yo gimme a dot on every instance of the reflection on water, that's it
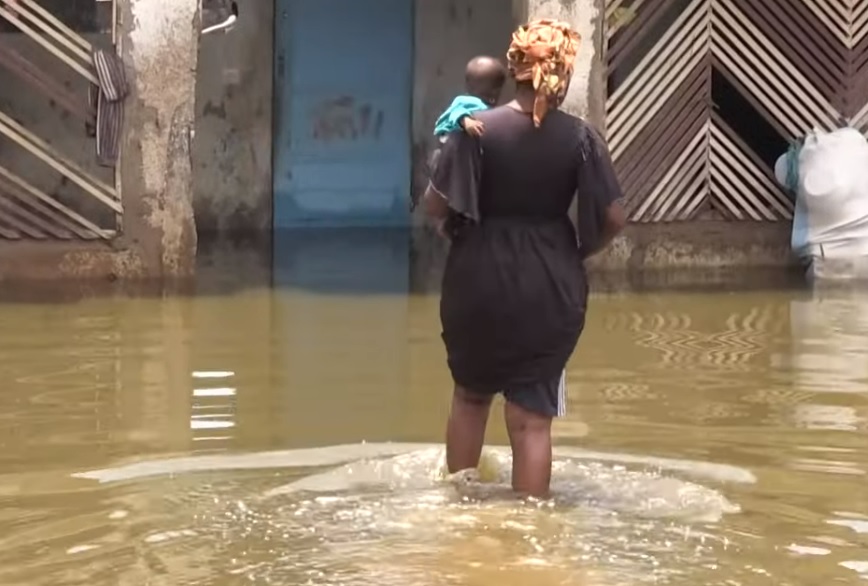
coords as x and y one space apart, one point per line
213 408
712 438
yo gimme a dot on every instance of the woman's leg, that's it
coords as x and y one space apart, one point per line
530 435
465 431
529 412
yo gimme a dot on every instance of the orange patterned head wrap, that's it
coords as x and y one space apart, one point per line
543 53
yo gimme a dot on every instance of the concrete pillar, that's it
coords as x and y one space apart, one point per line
159 44
587 96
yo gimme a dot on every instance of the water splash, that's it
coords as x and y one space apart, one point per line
342 454
576 484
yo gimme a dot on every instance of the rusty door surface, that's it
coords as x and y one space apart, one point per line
344 89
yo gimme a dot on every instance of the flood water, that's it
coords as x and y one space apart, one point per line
288 435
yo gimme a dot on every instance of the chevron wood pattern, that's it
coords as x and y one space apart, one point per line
704 95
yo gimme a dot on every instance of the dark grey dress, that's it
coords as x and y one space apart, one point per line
515 289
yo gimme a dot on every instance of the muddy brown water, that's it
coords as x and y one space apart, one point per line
286 436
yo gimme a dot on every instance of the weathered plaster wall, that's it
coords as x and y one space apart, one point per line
232 145
647 255
586 97
159 42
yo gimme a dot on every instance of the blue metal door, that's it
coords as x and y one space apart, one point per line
342 122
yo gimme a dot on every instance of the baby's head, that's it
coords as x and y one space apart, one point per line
485 77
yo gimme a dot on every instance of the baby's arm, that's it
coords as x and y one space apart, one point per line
453 119
472 126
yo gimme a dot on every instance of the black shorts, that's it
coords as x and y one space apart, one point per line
548 399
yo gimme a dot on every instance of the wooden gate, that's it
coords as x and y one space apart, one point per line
704 95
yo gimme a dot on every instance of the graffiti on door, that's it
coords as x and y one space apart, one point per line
345 118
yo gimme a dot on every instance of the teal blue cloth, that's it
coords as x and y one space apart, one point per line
459 108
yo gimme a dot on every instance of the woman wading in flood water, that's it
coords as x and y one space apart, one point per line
515 289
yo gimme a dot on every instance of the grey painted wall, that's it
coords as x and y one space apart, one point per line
232 144
586 97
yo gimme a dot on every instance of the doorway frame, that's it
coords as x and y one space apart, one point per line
277 115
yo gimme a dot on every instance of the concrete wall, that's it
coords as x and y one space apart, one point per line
587 95
232 146
159 42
